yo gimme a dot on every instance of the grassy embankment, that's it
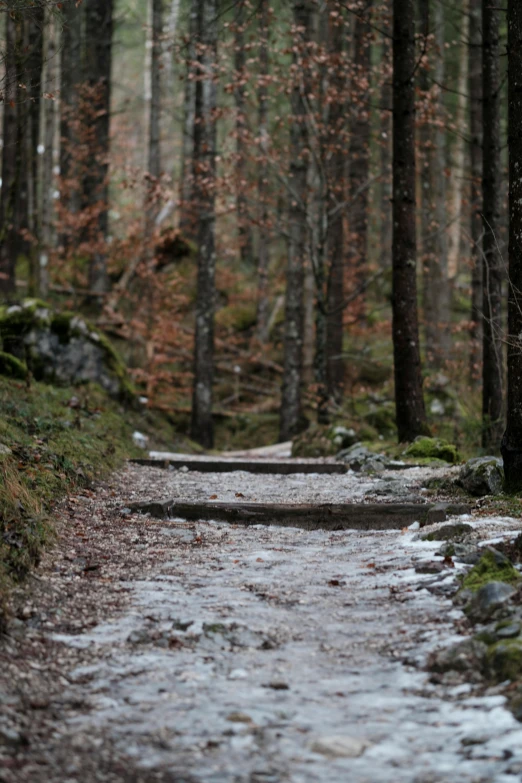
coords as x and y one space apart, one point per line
53 441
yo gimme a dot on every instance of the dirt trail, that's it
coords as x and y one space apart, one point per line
170 651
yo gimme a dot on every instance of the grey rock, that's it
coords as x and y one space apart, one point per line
463 553
342 437
339 746
488 600
449 532
482 476
508 631
469 655
63 349
361 459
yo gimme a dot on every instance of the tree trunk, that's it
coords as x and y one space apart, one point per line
34 61
475 154
246 249
263 250
11 161
205 195
359 154
436 292
95 186
411 415
46 196
457 170
153 102
492 262
335 238
70 81
386 147
154 153
512 440
187 223
23 75
291 412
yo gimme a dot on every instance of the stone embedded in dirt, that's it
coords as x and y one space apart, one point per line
339 746
482 476
463 553
361 459
466 656
449 532
508 631
504 660
488 601
430 568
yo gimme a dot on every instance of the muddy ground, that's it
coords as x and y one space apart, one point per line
145 650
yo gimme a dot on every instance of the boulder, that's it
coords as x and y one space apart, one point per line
466 656
62 348
433 448
449 532
504 660
488 601
482 476
493 566
361 459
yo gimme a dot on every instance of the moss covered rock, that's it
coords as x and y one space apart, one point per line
492 567
62 348
433 448
504 660
482 476
11 367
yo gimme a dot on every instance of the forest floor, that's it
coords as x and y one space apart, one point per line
149 650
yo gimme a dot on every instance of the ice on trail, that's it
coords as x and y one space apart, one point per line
273 654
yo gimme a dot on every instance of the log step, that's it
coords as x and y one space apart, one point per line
326 516
281 467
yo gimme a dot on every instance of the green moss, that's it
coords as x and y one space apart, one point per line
488 570
12 367
60 439
504 659
433 448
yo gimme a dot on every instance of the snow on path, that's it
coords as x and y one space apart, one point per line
148 651
264 655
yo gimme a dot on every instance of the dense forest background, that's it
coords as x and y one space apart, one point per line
214 185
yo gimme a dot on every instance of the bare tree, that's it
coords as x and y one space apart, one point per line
291 410
512 440
409 401
204 162
186 216
359 154
475 156
246 248
263 249
492 262
335 240
95 186
436 291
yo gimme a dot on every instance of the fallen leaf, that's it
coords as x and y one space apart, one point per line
213 497
239 495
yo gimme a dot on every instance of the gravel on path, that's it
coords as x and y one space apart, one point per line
146 650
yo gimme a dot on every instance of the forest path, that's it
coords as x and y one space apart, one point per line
204 652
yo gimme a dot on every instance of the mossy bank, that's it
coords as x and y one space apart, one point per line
54 441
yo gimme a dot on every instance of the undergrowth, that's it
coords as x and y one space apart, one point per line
54 441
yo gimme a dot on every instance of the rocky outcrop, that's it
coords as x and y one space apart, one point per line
482 476
60 348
